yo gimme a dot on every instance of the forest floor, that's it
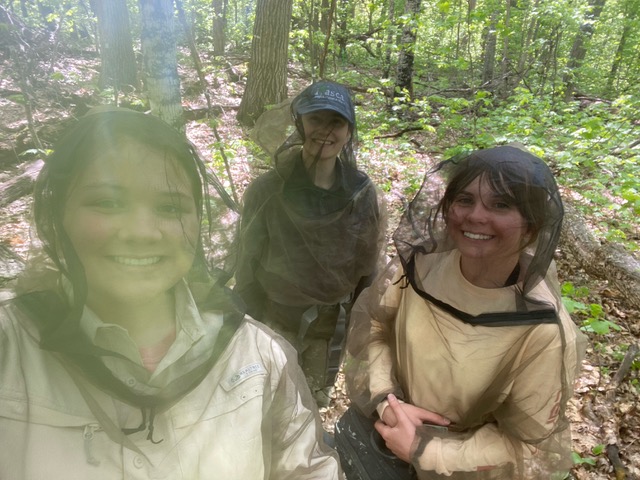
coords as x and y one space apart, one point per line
600 411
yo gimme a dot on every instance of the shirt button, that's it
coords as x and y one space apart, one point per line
138 462
131 382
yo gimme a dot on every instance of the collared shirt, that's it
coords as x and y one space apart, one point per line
190 328
250 417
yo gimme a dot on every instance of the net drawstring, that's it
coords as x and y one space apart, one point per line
145 426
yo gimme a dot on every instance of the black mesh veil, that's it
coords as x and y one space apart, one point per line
512 172
499 362
301 244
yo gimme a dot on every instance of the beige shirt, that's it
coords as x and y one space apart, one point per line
447 366
250 418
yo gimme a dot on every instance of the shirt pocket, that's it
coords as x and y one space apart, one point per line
222 396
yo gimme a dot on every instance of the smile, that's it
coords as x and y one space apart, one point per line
136 262
477 236
323 142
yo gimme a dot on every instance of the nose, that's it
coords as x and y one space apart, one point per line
478 212
140 225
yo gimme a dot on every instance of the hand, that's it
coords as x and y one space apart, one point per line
417 415
398 438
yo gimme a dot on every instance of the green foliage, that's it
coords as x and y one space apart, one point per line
580 460
593 315
591 147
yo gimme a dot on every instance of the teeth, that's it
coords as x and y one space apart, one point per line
137 262
476 236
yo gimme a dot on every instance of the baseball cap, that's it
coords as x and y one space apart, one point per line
325 95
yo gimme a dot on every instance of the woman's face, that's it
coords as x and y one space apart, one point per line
131 217
485 226
325 133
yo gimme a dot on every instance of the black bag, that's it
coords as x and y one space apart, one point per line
363 453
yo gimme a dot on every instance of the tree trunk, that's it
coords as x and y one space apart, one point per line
525 54
160 63
267 72
313 24
328 16
116 45
608 261
504 66
490 43
346 11
579 48
391 31
617 58
404 75
219 27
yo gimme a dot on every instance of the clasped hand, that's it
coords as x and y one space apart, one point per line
398 425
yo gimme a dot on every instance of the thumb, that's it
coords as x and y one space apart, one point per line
397 409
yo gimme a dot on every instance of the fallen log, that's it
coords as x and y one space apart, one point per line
10 264
609 261
19 186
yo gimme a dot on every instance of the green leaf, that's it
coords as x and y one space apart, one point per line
579 460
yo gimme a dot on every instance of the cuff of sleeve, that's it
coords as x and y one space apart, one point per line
431 458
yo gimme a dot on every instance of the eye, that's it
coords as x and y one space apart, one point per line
173 209
107 204
338 122
502 205
314 119
464 199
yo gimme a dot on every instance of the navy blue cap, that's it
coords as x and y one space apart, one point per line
325 95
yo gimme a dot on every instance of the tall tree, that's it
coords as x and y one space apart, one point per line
579 47
160 65
116 45
490 45
347 11
219 26
630 18
391 32
327 18
267 72
504 64
404 74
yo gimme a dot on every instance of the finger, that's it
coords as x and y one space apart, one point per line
431 417
381 427
389 417
397 409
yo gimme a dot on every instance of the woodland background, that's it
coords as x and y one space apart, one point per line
431 78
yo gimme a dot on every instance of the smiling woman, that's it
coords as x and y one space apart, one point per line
462 355
131 217
129 357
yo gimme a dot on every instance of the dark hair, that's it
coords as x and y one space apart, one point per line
98 132
513 180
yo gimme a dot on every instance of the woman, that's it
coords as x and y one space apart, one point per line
122 357
311 231
466 352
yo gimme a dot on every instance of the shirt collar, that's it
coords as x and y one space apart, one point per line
189 326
